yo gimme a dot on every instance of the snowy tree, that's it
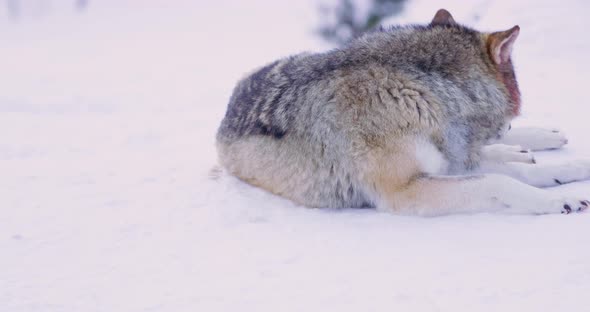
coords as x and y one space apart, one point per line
346 20
12 6
81 4
20 8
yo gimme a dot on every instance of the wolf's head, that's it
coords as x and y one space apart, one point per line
466 66
498 49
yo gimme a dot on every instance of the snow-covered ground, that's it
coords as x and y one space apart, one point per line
107 120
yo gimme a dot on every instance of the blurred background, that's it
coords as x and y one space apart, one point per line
108 112
117 55
113 55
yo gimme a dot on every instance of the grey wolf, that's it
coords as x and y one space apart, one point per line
412 120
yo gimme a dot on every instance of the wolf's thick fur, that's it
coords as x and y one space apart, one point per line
380 121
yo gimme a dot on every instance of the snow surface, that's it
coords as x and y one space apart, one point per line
108 119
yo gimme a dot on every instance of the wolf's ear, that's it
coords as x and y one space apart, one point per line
443 17
500 44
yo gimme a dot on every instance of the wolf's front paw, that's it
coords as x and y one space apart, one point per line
535 139
577 170
553 138
546 139
554 175
507 153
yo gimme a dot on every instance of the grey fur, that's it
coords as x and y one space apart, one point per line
303 127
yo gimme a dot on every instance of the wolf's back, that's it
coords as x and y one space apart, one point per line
268 101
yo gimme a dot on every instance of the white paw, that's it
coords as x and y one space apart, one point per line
577 170
535 139
555 205
507 153
551 175
550 139
550 205
569 205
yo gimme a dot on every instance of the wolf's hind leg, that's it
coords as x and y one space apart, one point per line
535 139
405 178
440 195
540 175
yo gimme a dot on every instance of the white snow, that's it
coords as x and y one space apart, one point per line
106 203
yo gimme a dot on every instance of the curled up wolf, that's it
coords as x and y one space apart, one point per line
412 120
